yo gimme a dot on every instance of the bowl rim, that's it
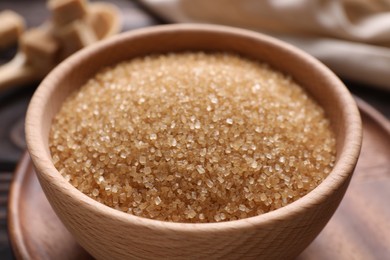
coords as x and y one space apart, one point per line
340 174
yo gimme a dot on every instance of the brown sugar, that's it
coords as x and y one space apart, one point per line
192 137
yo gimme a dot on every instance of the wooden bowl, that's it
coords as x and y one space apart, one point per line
107 233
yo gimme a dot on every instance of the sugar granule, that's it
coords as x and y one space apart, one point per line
192 137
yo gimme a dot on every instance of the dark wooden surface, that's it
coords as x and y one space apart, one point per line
13 102
358 230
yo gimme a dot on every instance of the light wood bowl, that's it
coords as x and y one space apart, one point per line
107 233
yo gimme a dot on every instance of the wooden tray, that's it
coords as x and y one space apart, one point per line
360 228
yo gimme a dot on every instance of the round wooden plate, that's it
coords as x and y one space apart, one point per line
360 228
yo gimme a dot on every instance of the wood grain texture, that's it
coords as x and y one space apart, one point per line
344 237
360 228
35 230
110 234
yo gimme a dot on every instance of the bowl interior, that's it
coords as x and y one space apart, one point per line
319 81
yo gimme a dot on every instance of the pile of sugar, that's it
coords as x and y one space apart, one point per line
192 137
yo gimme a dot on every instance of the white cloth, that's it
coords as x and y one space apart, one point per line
352 37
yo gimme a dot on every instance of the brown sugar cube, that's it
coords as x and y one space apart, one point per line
40 48
11 26
67 11
74 37
99 21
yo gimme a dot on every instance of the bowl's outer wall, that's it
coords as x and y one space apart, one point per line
106 237
111 236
